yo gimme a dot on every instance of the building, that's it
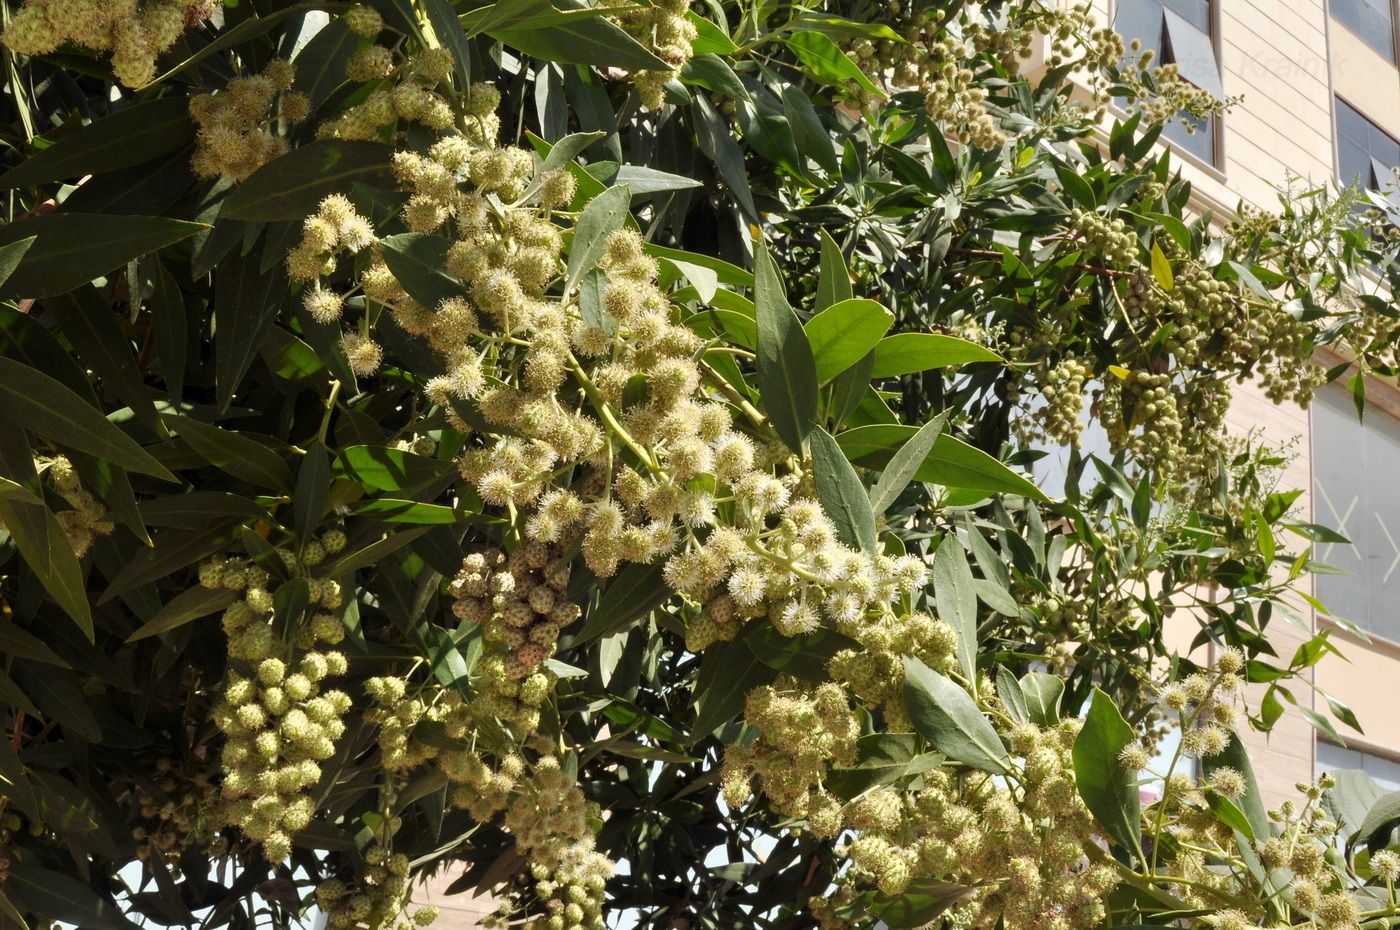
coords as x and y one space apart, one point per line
1320 92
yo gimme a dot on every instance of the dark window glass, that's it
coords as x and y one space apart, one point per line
1366 154
1369 19
1179 32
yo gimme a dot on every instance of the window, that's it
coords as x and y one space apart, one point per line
1373 21
1366 154
1180 32
1333 758
1354 469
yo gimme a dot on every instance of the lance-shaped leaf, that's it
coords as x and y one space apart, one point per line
246 301
841 494
46 550
53 411
908 353
603 216
131 136
70 249
905 464
956 598
787 373
1108 787
946 716
292 186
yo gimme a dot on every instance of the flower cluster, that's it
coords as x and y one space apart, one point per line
234 139
404 88
279 723
87 518
378 899
664 29
176 810
134 32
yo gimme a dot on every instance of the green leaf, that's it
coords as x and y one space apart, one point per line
833 278
882 758
188 605
1012 697
392 510
71 249
246 302
312 490
1162 268
825 61
604 215
233 452
841 493
53 411
375 551
291 186
633 592
1108 788
956 599
1042 693
174 549
57 896
11 255
716 139
787 373
47 552
712 72
419 262
952 463
14 783
580 37
811 137
91 326
946 716
844 333
728 672
1251 803
709 38
1381 819
130 136
905 463
909 353
380 468
918 905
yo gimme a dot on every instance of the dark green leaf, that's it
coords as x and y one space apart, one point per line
1108 788
946 716
957 599
952 463
812 139
787 373
631 594
581 37
882 758
419 262
168 320
292 186
46 550
91 326
728 671
1012 698
71 249
188 605
312 490
380 468
56 413
233 452
841 493
11 255
246 302
131 136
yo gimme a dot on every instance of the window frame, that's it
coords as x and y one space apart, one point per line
1394 5
1215 162
1375 180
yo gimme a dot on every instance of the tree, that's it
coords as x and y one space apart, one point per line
535 440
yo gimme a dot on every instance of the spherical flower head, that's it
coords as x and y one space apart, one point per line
1337 911
482 100
1133 757
323 304
271 671
1230 661
1386 865
363 353
1227 782
364 20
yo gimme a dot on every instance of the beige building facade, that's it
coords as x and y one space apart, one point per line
1320 102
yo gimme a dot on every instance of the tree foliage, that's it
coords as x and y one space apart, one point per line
591 448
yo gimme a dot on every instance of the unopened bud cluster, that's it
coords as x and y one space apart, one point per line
664 29
378 899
